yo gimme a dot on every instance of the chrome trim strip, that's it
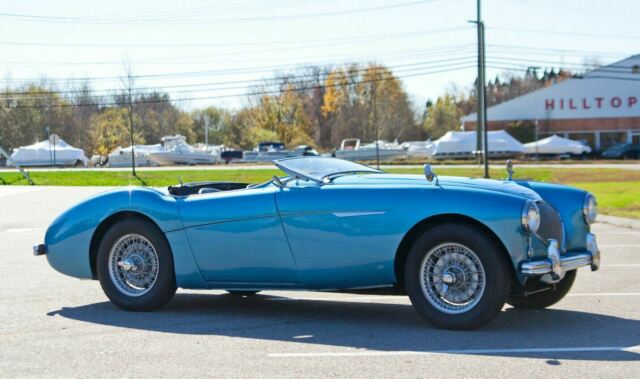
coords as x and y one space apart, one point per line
356 214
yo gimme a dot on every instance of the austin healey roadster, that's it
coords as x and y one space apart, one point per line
460 248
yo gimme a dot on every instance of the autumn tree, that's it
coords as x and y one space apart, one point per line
109 129
442 117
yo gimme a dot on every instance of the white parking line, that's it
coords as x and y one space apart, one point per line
633 349
405 299
618 234
605 294
354 298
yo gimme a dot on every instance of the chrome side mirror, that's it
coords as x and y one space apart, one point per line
429 174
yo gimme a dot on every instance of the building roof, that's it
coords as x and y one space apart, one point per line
611 91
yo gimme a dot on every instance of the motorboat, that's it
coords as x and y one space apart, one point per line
556 146
182 154
462 145
270 151
352 150
52 152
121 157
418 149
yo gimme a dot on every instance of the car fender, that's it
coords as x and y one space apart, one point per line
68 238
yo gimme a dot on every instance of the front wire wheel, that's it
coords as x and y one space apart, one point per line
457 276
135 265
452 278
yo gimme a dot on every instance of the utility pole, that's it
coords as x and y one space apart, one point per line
133 153
48 130
485 125
481 120
206 131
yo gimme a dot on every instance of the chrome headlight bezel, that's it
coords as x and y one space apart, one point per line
590 208
530 218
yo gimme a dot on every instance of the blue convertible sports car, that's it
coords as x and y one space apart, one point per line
460 248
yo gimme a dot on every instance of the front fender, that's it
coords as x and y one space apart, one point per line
568 202
68 238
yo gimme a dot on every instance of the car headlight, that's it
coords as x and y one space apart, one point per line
590 209
530 217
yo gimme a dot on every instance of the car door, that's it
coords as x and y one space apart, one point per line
238 240
340 236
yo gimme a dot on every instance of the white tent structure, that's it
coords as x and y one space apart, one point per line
46 153
463 145
556 145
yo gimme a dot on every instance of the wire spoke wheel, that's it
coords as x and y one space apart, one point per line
133 265
452 278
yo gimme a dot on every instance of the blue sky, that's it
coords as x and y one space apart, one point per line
429 44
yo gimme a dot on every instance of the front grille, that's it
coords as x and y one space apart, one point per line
550 224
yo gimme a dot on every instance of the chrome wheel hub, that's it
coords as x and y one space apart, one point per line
133 265
452 278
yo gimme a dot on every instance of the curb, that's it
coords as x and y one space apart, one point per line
619 221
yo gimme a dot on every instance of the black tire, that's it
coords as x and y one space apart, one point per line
547 298
164 287
242 293
497 276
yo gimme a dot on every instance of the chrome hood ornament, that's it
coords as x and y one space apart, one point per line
509 170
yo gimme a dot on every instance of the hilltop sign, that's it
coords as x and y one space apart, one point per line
586 103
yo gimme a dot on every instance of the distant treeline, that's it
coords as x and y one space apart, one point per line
316 106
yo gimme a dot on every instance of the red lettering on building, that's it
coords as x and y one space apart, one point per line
616 102
549 104
599 102
584 104
561 103
571 105
632 101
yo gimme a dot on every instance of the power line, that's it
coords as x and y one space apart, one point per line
151 21
255 93
559 32
288 77
364 38
227 71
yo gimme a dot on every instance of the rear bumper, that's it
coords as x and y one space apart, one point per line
556 265
39 249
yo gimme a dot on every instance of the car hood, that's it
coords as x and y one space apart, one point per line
502 186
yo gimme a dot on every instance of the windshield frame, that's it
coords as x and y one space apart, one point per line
281 164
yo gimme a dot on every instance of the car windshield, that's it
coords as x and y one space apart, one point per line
318 168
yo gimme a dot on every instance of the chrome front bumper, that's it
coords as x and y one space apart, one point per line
556 265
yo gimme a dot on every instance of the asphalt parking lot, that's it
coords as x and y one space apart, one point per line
53 325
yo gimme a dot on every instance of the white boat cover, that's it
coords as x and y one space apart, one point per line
42 154
121 156
454 143
557 145
419 149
